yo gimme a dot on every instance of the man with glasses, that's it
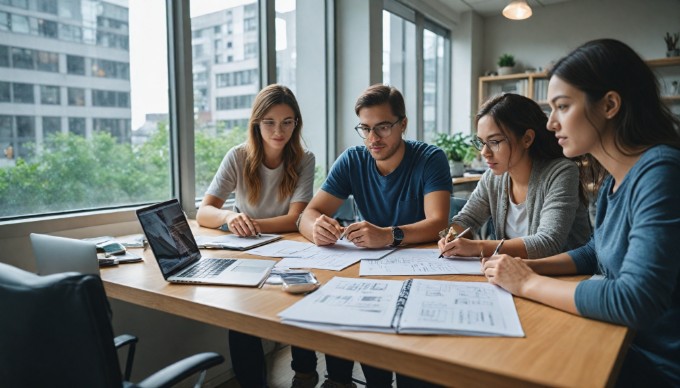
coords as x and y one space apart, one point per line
400 187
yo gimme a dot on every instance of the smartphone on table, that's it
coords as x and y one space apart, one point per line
111 248
299 282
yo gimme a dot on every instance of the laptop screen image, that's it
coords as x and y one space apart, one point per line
169 236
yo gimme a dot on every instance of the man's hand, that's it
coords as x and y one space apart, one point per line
364 234
326 230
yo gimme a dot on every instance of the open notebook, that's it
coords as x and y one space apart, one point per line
414 306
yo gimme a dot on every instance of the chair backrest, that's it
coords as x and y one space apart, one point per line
457 205
55 331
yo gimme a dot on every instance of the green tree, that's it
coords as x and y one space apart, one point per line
209 152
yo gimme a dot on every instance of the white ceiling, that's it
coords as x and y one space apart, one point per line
487 8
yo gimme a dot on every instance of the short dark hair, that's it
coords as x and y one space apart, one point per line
379 94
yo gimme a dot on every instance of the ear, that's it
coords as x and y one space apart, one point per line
528 138
404 122
612 104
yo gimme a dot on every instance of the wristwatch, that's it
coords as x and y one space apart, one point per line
397 236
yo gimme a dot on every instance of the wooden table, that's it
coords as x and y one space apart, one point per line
559 349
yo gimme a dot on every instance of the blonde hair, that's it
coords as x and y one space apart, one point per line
292 153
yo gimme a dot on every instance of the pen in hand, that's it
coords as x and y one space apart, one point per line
452 233
344 232
498 248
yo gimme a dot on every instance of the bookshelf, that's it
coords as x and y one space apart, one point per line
667 71
535 85
532 85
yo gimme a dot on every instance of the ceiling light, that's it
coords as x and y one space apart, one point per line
517 10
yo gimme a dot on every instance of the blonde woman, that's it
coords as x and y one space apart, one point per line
272 176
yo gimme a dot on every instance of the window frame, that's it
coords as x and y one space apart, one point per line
181 143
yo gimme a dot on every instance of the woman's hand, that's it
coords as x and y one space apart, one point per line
460 247
511 273
242 225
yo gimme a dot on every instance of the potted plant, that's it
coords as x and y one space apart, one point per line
672 44
506 63
458 150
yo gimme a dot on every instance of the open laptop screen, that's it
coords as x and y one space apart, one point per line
169 235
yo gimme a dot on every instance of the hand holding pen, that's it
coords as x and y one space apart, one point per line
498 247
452 233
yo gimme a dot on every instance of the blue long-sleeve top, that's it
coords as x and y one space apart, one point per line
636 246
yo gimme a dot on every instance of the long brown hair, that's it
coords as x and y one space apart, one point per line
292 153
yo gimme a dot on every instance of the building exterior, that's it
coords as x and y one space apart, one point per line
64 67
225 55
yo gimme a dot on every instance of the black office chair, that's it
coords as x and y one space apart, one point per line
56 331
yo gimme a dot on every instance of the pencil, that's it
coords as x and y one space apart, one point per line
344 232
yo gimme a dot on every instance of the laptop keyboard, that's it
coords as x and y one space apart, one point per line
207 268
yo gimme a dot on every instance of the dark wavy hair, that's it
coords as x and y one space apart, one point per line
515 114
603 65
292 152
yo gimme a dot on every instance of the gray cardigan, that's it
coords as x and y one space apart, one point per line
558 220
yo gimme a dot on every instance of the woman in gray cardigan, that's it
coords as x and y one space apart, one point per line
531 192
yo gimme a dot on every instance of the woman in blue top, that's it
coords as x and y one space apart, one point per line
605 103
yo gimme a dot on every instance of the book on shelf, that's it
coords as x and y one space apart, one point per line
414 306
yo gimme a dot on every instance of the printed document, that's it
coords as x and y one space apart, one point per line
415 261
232 241
330 263
415 306
341 249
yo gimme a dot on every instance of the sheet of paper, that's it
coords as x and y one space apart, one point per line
330 263
341 249
281 248
233 241
348 303
414 261
460 308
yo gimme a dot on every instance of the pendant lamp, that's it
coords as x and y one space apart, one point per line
517 10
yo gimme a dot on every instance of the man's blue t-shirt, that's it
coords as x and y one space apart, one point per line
395 199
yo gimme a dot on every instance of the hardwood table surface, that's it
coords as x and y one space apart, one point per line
559 349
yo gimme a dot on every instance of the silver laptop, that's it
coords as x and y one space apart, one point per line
59 254
170 238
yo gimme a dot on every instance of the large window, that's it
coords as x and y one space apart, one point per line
399 63
412 42
113 88
435 80
226 84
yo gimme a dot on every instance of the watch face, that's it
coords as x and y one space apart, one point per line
397 233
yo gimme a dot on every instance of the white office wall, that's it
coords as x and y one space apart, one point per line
466 55
555 30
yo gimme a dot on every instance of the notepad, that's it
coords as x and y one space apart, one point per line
414 306
232 241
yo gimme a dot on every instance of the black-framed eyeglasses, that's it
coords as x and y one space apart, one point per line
381 130
494 145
